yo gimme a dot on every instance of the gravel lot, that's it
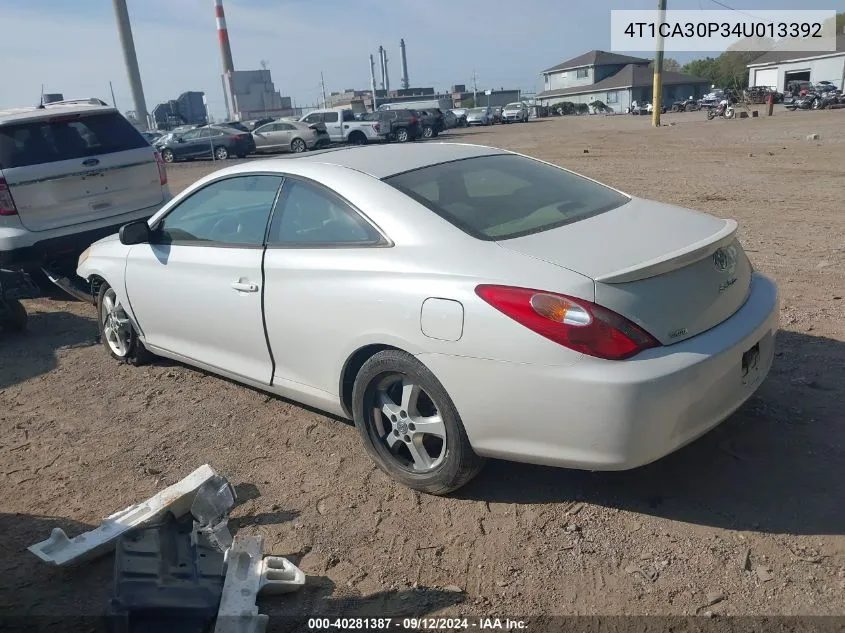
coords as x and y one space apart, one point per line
748 520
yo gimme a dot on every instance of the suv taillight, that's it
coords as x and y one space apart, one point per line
579 325
7 204
162 170
376 127
413 120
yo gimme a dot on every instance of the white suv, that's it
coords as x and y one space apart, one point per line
70 174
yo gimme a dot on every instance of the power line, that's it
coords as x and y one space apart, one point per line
723 5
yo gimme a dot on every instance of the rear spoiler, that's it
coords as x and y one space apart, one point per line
677 259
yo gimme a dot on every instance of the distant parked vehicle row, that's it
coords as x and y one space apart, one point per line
205 142
516 112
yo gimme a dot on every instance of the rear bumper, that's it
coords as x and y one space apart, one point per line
613 415
24 248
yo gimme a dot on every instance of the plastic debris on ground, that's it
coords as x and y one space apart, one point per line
177 567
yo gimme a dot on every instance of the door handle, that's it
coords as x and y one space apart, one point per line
244 286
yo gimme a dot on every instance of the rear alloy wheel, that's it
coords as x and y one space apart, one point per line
428 132
117 333
410 426
402 135
297 146
167 156
221 153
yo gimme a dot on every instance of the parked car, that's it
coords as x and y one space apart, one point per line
461 116
69 175
286 136
496 114
396 125
254 124
343 127
632 326
151 137
432 122
449 120
479 116
234 125
206 142
515 112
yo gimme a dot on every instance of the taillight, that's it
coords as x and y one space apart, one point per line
162 169
413 120
580 325
376 127
237 137
7 204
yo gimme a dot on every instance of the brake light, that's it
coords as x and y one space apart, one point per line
7 204
376 127
413 120
237 137
162 169
580 325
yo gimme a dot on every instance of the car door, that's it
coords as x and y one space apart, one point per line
265 137
314 242
181 143
333 126
284 135
196 289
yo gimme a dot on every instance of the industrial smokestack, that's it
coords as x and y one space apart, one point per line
124 30
405 83
223 36
373 80
386 73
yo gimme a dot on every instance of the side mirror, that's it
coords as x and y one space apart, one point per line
137 232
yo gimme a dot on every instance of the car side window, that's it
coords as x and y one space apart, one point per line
284 127
232 211
190 136
348 115
312 118
309 215
330 117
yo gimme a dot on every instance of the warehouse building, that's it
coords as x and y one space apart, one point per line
776 69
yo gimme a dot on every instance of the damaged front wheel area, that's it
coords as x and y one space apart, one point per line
117 333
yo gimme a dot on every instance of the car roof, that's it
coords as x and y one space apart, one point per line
34 113
383 161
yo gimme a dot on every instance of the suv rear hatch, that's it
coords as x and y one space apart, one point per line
674 272
69 168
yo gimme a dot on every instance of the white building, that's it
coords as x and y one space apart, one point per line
775 69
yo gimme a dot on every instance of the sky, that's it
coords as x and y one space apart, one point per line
72 46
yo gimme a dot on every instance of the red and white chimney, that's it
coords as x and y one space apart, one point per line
223 36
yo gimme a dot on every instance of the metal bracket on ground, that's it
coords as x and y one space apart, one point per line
177 499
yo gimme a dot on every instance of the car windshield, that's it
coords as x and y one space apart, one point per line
513 106
506 196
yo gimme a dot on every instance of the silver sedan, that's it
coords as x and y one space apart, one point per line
456 301
285 136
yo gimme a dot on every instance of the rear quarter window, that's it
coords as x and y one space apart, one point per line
66 137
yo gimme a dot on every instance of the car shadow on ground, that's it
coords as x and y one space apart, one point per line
38 596
25 355
772 467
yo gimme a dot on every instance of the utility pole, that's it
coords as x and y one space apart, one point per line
124 29
474 89
323 87
657 88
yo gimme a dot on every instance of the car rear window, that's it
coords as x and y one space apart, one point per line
66 137
506 196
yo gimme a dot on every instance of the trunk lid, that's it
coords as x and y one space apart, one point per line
66 169
674 272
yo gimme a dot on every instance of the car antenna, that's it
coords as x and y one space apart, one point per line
41 100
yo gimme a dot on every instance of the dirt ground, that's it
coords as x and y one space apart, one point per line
748 520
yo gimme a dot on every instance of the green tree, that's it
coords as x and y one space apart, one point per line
669 65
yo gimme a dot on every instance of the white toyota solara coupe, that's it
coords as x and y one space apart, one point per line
456 301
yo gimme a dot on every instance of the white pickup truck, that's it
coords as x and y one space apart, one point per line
343 127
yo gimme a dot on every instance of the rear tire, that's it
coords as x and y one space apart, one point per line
297 146
15 318
402 135
117 334
428 132
168 156
357 138
221 153
400 448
